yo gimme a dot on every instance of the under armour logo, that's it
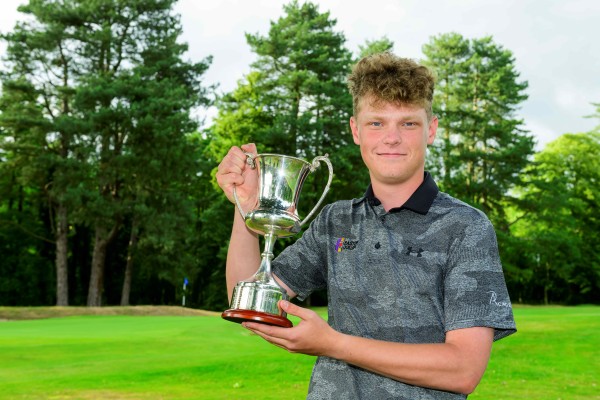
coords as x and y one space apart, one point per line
417 252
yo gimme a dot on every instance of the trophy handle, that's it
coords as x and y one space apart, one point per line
314 165
252 164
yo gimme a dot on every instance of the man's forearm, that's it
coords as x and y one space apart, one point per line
454 366
243 254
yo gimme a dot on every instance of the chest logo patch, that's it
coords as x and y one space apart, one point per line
345 244
414 252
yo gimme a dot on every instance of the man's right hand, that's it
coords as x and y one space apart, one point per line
234 171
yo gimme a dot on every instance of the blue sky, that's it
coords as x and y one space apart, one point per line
555 43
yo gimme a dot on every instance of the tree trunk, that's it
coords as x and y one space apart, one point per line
547 284
62 275
133 240
96 287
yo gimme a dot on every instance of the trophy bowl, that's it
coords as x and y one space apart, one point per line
280 180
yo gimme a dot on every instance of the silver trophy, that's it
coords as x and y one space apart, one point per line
280 180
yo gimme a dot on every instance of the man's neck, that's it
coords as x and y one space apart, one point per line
396 194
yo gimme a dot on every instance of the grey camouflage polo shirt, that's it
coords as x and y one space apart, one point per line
408 275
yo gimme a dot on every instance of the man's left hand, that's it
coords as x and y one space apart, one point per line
312 335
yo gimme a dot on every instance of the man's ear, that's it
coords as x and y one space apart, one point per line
354 129
433 125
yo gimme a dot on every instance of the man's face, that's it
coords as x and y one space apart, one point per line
393 140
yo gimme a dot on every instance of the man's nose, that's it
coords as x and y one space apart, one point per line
393 136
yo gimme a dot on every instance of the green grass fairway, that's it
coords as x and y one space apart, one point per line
553 356
134 357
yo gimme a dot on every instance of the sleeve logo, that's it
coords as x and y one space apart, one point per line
494 300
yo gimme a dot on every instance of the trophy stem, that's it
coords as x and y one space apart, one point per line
263 274
256 299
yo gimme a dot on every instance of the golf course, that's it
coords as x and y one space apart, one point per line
179 353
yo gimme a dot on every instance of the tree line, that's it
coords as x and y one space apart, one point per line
107 188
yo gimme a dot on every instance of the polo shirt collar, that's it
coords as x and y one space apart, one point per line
420 201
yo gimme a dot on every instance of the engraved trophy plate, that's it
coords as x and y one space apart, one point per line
280 180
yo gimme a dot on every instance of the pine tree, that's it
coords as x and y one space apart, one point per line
295 100
481 146
115 97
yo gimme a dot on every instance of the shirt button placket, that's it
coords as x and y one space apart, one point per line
382 219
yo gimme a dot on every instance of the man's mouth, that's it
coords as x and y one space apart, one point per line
391 154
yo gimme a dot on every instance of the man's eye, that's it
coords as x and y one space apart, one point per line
410 124
377 124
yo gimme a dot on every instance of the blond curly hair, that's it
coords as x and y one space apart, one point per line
388 78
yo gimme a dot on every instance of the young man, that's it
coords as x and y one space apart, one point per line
416 292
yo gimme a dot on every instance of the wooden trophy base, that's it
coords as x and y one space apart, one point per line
240 316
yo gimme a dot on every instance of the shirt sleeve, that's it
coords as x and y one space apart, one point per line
302 266
474 285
